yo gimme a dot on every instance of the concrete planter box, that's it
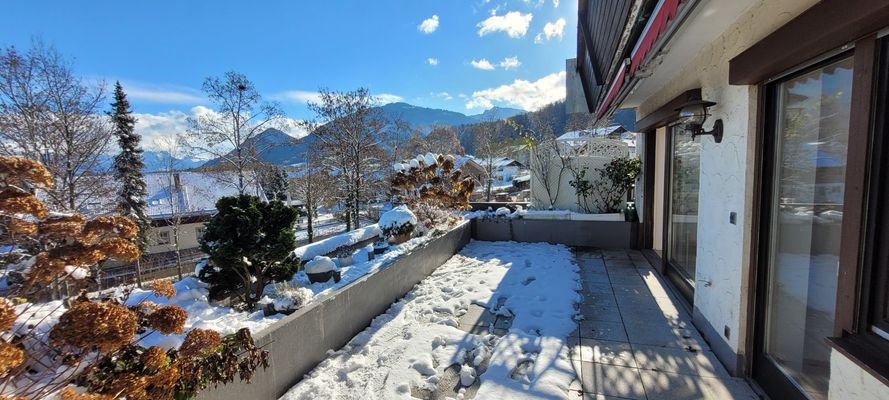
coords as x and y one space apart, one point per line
297 343
576 217
606 234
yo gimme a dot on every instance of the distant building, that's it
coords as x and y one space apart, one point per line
179 205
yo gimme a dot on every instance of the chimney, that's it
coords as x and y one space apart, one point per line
177 183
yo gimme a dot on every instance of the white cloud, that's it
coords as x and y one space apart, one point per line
551 30
158 129
510 63
556 3
513 23
162 94
305 96
432 61
155 128
386 98
521 93
443 95
298 96
429 25
482 64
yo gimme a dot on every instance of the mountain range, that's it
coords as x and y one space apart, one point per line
278 148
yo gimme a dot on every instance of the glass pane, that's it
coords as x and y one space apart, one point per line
810 165
684 188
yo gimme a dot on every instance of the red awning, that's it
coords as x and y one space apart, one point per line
664 13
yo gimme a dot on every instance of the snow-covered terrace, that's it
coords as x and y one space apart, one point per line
507 320
477 319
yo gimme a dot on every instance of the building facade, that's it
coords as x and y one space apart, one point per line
767 216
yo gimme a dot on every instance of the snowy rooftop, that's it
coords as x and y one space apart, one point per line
596 132
198 194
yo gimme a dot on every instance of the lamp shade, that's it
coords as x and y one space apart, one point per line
694 112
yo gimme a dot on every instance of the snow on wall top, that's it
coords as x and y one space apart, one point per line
330 244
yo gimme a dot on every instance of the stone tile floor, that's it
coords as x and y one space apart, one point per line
636 341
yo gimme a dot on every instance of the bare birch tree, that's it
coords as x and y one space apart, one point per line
548 161
351 132
487 150
50 115
172 151
310 185
229 133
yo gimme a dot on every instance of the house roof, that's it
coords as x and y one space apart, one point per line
606 131
198 194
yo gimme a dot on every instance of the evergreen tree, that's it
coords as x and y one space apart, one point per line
128 167
248 242
273 180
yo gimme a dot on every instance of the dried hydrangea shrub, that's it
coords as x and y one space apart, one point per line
7 315
163 288
86 325
11 357
197 341
167 320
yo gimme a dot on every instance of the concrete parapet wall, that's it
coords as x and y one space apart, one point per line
297 343
606 234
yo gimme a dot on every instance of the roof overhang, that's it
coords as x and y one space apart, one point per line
675 34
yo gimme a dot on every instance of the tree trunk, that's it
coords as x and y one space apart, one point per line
178 254
139 272
309 229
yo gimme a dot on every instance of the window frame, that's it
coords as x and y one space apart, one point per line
875 293
863 262
163 237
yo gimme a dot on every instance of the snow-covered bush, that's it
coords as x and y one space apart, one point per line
398 221
319 265
321 269
60 349
286 296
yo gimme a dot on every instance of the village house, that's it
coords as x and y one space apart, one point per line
179 205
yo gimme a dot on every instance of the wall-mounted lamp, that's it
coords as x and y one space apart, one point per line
693 114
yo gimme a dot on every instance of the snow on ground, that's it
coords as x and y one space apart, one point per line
191 295
319 231
361 265
410 347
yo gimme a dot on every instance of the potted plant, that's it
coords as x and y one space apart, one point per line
345 257
381 247
321 269
398 224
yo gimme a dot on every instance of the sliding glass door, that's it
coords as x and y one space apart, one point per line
810 115
682 226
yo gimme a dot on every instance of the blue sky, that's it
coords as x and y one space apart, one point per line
424 52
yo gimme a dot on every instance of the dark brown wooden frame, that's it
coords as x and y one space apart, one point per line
828 25
852 269
862 287
765 372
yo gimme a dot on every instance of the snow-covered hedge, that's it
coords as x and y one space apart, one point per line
320 265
